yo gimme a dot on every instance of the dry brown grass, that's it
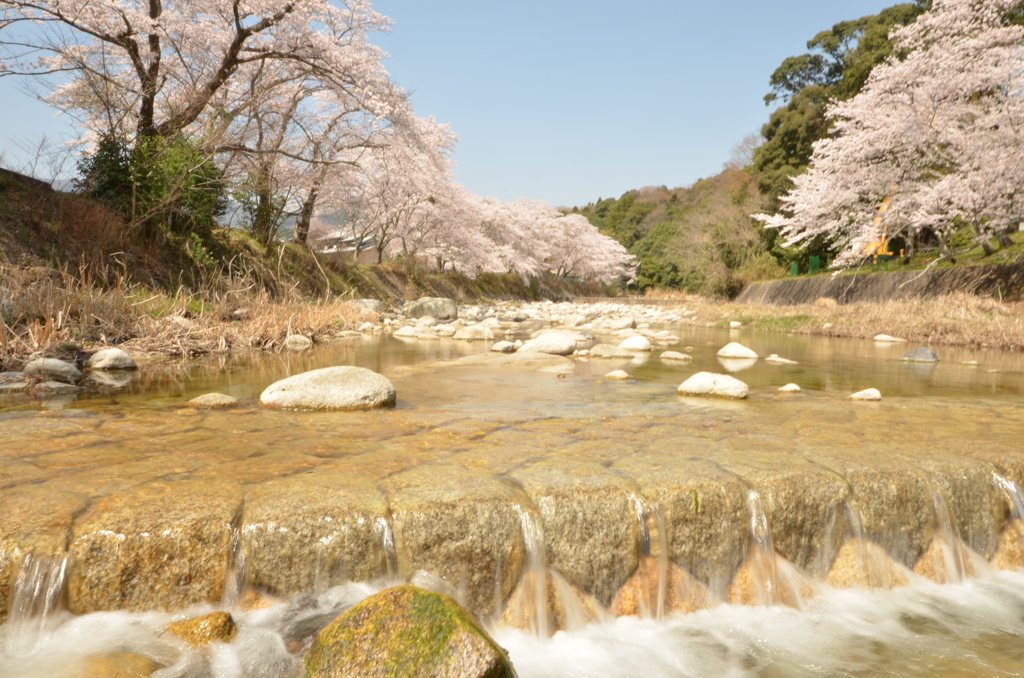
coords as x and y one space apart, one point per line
956 319
49 313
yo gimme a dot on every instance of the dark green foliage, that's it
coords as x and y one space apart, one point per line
837 68
163 187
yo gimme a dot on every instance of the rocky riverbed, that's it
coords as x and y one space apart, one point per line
529 486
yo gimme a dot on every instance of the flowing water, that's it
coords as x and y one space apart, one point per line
599 528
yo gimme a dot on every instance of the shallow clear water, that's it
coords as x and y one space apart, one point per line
500 421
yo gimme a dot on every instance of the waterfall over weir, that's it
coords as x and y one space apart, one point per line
596 528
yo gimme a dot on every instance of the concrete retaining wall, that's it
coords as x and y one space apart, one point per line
1005 281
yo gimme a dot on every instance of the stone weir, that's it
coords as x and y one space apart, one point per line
1005 281
666 530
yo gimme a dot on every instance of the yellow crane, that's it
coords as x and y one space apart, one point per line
880 247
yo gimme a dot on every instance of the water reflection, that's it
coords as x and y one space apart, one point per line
822 364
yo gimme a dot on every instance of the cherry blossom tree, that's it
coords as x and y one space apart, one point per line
160 67
936 134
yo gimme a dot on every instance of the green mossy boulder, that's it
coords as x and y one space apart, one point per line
406 631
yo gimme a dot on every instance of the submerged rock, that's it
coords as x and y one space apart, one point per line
117 665
885 338
609 351
438 307
55 387
422 332
297 343
58 370
406 631
675 356
708 384
199 631
736 350
331 388
111 378
790 388
478 332
212 401
867 394
776 359
617 375
111 359
921 355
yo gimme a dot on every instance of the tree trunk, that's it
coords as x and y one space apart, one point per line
1003 236
945 249
304 219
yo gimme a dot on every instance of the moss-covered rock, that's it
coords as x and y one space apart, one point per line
406 631
198 631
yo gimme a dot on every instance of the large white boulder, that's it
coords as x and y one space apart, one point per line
709 384
331 388
438 307
479 332
111 359
554 343
736 350
636 344
54 369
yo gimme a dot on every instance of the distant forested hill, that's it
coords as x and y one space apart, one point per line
699 239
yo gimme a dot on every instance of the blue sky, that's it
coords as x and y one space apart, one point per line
565 100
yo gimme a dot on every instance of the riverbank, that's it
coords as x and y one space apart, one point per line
950 320
47 314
